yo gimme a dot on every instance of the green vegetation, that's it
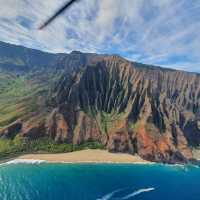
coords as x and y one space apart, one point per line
88 145
134 126
19 145
17 61
13 90
19 96
107 120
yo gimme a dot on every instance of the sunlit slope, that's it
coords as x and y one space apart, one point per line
19 97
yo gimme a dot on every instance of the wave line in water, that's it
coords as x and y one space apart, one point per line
109 195
140 191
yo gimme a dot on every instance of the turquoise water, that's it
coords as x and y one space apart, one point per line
98 181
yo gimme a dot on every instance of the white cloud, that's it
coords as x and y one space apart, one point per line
157 32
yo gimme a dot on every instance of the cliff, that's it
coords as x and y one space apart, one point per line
148 111
126 106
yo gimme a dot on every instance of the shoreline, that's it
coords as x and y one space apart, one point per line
81 157
88 156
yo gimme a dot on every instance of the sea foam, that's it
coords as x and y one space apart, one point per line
135 193
24 161
109 195
140 191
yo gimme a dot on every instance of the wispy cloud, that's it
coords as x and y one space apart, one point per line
157 32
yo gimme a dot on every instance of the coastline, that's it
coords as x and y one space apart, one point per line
83 156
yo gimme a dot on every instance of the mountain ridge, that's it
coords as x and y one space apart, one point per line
79 52
124 106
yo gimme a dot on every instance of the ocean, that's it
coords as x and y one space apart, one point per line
43 181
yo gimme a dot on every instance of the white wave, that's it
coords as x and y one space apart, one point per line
140 191
109 195
25 161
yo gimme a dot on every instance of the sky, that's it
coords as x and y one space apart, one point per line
158 32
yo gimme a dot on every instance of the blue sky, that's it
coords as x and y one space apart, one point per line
159 32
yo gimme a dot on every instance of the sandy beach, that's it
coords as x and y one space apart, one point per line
196 153
86 156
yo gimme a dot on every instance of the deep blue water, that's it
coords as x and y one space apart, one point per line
98 181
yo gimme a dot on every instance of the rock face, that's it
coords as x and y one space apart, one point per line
130 108
126 106
12 130
33 131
